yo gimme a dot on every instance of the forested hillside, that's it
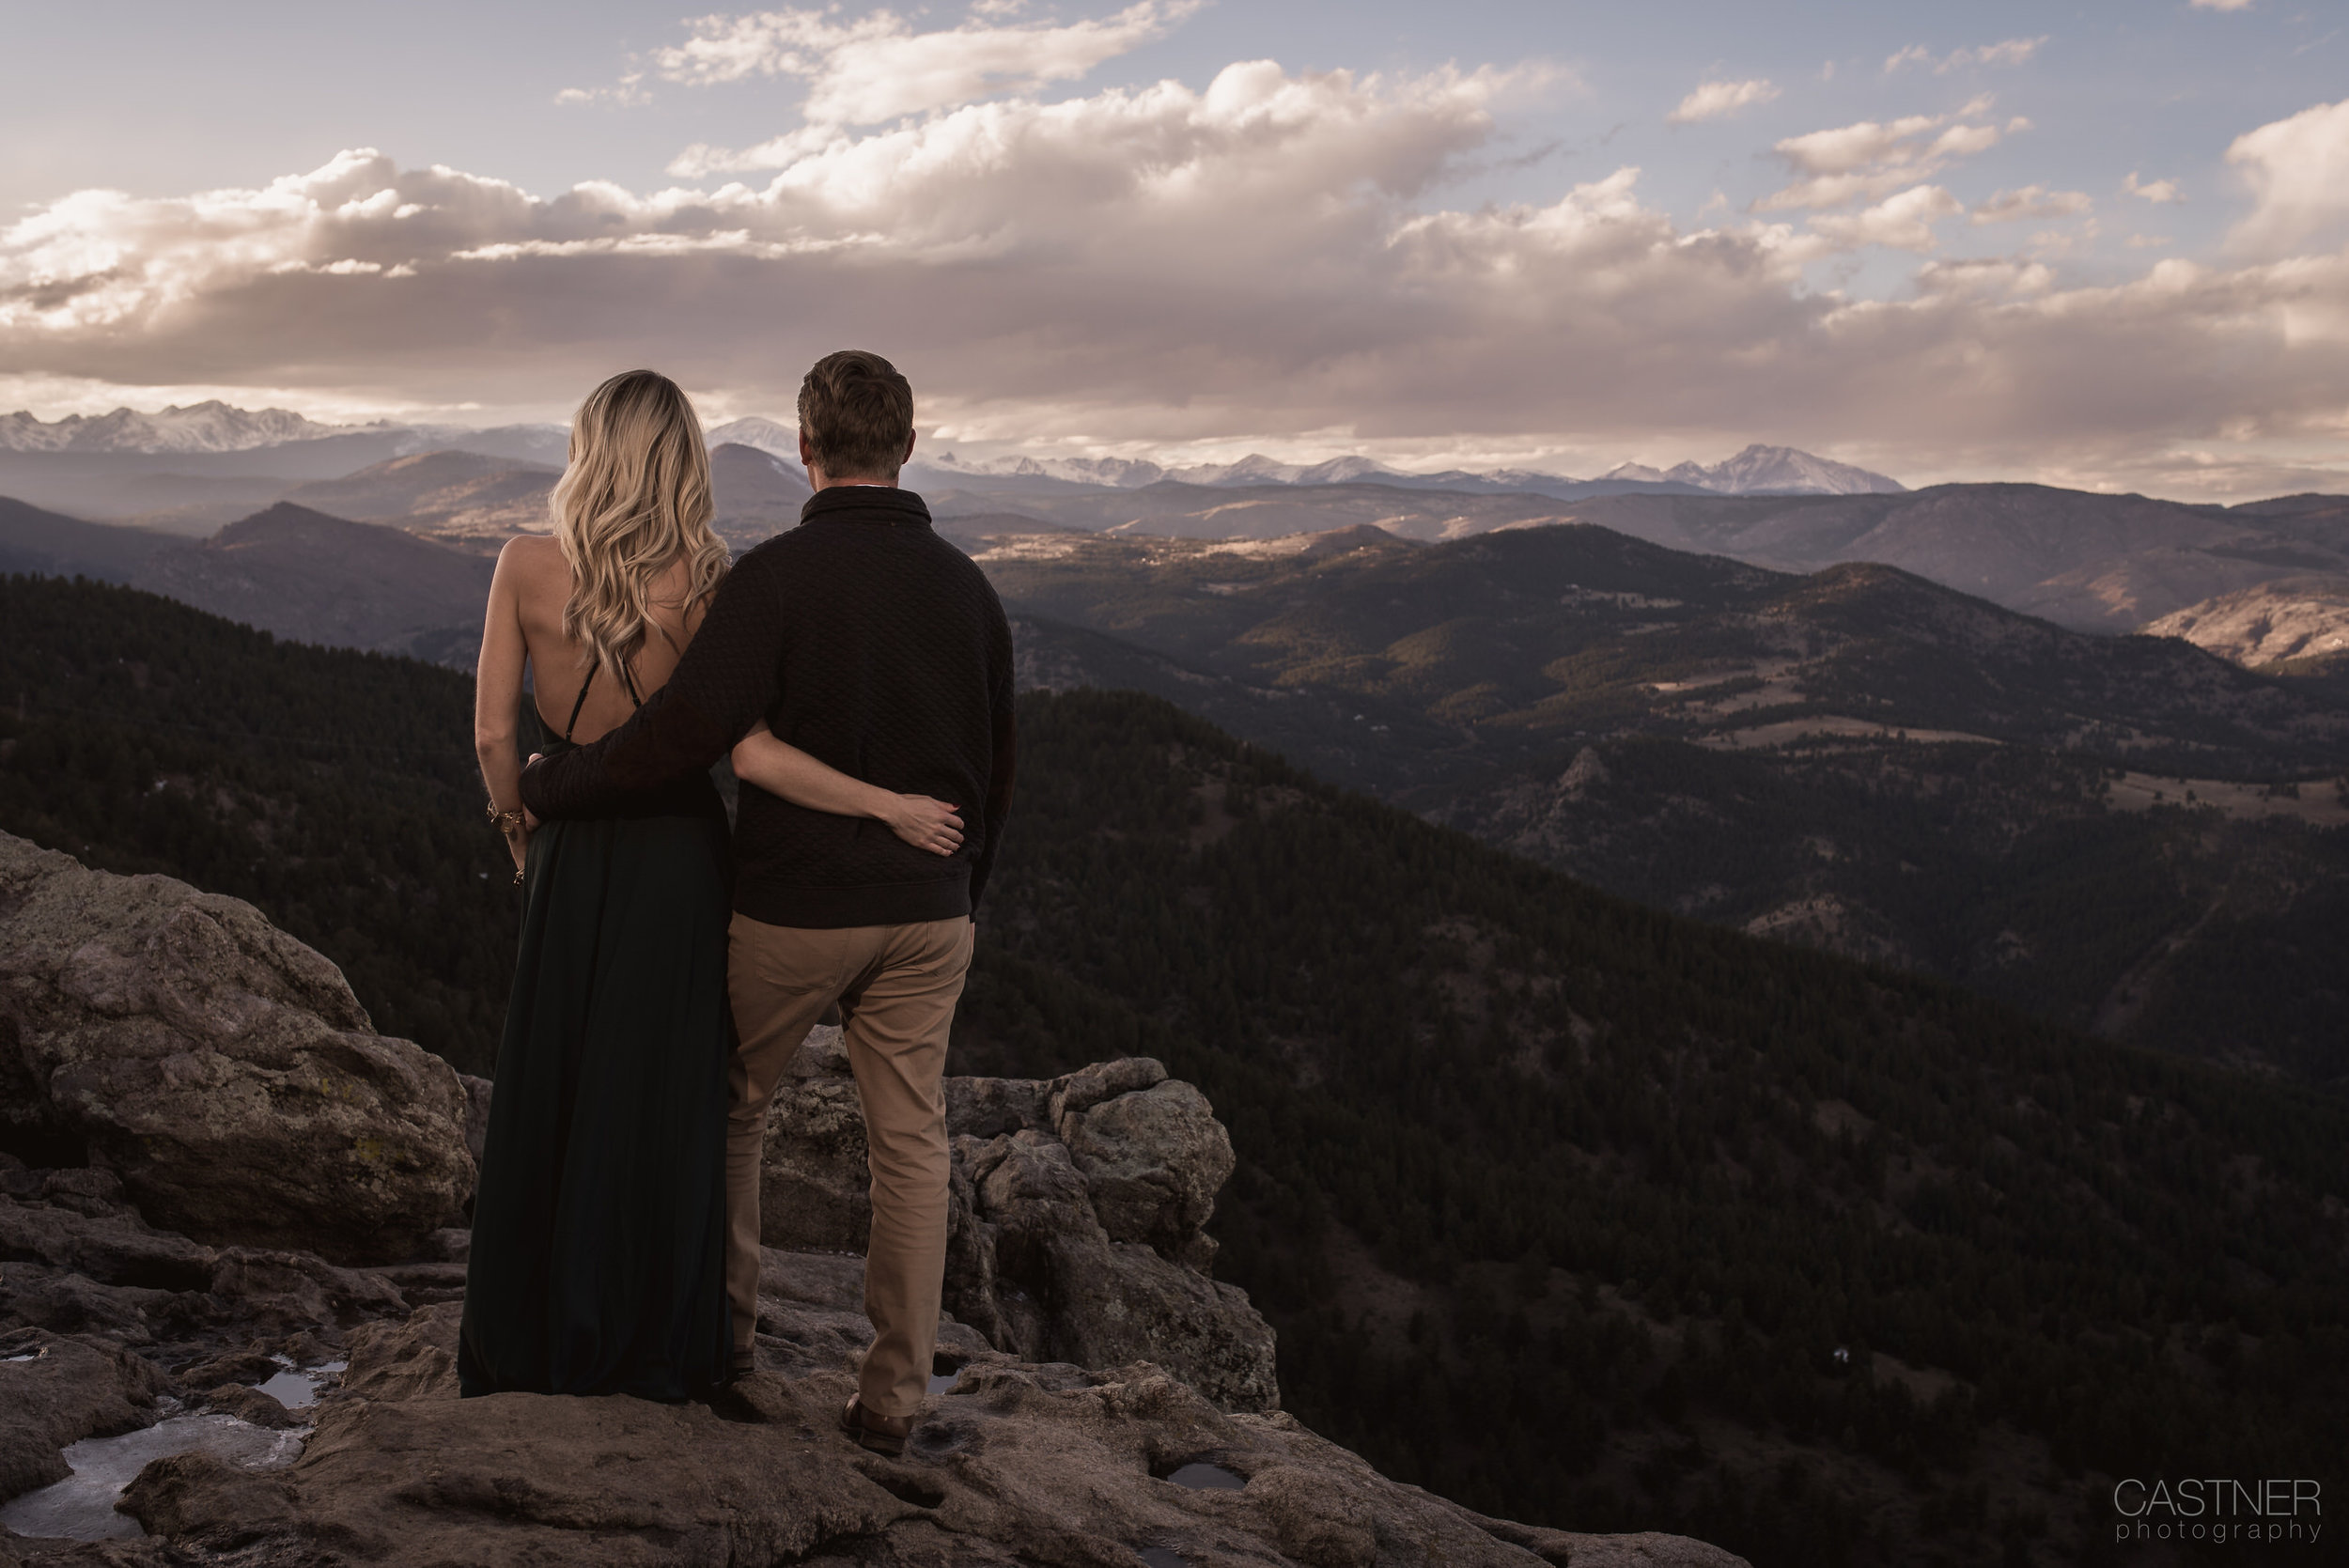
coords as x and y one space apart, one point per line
337 791
2122 835
1569 1209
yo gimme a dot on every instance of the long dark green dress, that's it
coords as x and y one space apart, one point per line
598 1234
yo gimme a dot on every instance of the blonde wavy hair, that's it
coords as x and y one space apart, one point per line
633 500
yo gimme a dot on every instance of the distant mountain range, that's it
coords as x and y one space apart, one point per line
215 427
1757 470
1767 471
2101 563
2094 562
210 427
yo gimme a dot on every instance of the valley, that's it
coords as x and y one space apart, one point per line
1638 1176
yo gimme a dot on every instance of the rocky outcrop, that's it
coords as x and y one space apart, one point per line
1098 1399
220 1068
1077 1227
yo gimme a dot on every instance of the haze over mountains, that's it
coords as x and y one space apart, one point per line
2090 560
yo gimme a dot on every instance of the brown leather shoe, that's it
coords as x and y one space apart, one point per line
884 1434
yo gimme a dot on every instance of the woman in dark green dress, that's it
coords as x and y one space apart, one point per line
597 1260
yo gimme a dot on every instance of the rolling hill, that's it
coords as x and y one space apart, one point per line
2095 563
287 570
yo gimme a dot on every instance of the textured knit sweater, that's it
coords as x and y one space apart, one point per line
868 641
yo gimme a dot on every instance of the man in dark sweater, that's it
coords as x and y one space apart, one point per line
866 640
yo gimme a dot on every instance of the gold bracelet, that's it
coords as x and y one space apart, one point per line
505 821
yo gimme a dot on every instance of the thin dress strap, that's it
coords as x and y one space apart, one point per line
580 703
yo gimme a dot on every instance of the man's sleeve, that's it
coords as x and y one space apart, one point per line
1004 753
724 683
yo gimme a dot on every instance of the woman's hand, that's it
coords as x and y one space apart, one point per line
924 823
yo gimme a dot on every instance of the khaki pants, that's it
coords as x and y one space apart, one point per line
896 987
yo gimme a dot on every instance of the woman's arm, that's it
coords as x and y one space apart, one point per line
786 771
497 697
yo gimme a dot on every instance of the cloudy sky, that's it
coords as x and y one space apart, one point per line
2102 244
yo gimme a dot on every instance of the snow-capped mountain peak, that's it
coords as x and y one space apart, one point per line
1763 470
208 426
767 435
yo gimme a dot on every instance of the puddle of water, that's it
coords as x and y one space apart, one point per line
297 1386
1208 1478
1163 1557
82 1506
946 1384
32 1355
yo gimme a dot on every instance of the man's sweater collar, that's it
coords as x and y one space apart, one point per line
874 504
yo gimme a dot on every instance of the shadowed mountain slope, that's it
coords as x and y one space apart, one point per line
2126 835
757 493
286 570
52 545
1529 636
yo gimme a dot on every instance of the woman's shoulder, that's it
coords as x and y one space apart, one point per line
534 560
535 551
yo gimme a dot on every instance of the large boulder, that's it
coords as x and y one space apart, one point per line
222 1070
1078 1214
1154 1157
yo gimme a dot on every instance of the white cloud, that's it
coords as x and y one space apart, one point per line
2299 170
2012 52
1871 158
2220 5
628 92
2031 202
1903 222
876 68
1712 100
1266 259
2159 191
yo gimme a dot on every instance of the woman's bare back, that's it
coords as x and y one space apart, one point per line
542 582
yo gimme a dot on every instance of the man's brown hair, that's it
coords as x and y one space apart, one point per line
857 414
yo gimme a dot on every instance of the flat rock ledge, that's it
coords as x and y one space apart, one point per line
1016 1463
